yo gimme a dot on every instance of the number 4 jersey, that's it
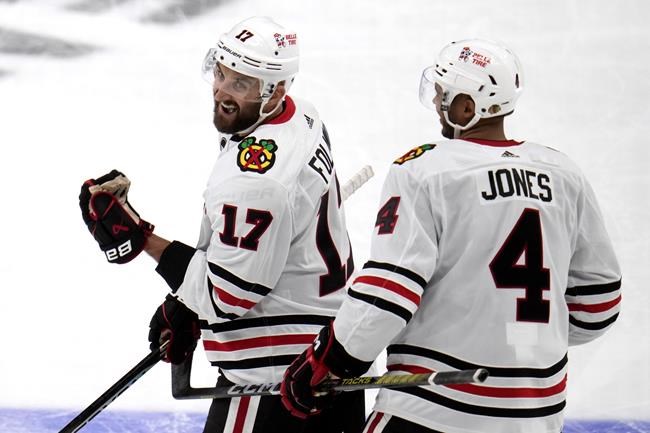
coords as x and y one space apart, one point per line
273 257
485 254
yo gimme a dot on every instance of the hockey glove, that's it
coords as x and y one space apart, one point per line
175 322
325 358
114 224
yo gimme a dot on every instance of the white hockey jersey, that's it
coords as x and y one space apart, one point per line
485 254
273 257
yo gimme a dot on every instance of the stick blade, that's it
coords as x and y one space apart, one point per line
478 375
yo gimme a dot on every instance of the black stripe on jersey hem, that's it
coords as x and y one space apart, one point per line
259 322
266 361
593 326
405 349
398 270
382 304
594 289
235 280
173 263
403 425
218 311
472 409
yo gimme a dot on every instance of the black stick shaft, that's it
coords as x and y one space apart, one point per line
114 391
181 388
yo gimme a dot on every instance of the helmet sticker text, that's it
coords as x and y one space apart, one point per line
284 41
476 58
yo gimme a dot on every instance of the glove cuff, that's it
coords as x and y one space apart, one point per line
147 227
330 352
174 262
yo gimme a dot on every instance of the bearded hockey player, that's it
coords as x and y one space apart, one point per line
487 253
273 257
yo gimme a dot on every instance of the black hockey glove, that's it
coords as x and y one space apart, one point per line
175 322
325 358
111 220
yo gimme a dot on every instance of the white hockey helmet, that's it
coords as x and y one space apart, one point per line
260 48
487 71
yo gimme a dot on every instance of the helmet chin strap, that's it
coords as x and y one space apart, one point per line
262 117
459 128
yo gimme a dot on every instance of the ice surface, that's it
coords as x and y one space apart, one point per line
89 85
110 421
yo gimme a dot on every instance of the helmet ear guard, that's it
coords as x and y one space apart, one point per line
487 71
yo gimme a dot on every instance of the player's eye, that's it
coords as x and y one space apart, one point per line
241 86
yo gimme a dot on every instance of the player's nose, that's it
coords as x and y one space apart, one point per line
220 95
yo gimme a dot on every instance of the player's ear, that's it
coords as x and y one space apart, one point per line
276 98
469 108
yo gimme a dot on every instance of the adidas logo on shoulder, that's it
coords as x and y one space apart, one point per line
508 154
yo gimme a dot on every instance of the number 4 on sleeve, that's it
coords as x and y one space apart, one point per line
387 216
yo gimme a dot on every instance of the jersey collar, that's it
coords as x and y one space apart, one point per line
493 143
288 111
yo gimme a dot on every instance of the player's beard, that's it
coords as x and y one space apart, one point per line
447 131
241 119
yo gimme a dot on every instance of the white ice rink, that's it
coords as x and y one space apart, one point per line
91 85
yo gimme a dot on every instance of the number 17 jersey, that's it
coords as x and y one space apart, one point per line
273 258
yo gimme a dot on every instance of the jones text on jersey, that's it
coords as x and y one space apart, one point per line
517 182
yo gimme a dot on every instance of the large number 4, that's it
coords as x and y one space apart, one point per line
525 241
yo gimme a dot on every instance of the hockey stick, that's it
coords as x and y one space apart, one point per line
356 181
182 390
115 390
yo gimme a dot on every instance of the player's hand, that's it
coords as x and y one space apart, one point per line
305 373
175 322
325 358
115 225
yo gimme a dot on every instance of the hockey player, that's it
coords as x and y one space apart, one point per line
273 257
487 252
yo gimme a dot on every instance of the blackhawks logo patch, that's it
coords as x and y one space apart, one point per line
257 157
413 153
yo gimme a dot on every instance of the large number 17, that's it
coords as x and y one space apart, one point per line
525 240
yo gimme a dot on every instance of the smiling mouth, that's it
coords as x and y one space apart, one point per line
227 107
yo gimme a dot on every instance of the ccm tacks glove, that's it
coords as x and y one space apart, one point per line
325 358
175 322
114 224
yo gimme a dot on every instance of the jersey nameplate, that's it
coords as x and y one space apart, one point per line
515 183
322 162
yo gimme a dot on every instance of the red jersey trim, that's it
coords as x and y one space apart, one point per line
287 113
493 143
375 422
249 343
595 308
229 299
490 391
389 285
240 418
